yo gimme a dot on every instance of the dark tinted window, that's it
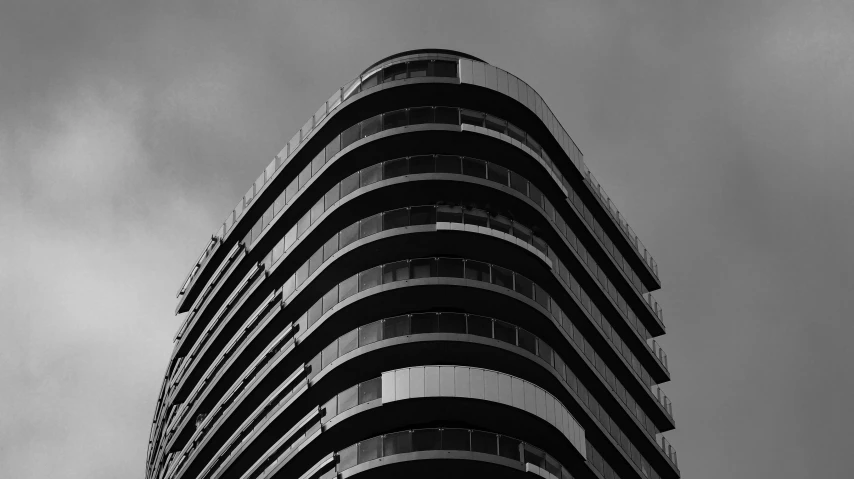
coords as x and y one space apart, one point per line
508 447
474 167
505 332
423 268
451 214
455 440
447 115
452 323
421 115
475 217
480 326
422 215
524 285
527 341
394 72
484 442
397 271
424 323
393 168
418 69
394 119
448 164
500 223
502 277
450 267
422 164
396 218
471 117
426 440
477 271
371 126
497 173
394 327
443 69
496 124
518 183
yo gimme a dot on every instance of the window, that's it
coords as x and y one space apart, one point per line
418 68
397 443
524 285
371 126
394 72
527 341
484 442
497 173
397 271
370 278
505 332
447 115
422 164
480 326
394 119
450 214
475 217
423 268
500 223
370 225
502 277
396 326
518 183
455 440
421 115
371 175
508 447
426 440
422 323
440 68
471 117
474 167
515 133
450 268
396 218
394 168
535 195
350 135
422 215
448 164
452 323
477 271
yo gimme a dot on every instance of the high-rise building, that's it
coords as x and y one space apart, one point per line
426 280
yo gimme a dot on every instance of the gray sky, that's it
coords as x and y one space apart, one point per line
724 130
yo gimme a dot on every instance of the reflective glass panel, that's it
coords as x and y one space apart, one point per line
475 217
423 268
349 184
524 285
421 115
422 215
422 164
332 197
397 443
304 176
500 223
370 278
484 442
370 449
522 232
455 440
450 267
527 341
496 124
477 271
349 234
442 68
396 218
426 440
394 72
534 455
370 225
508 447
448 164
505 332
422 323
333 147
370 333
544 351
518 183
394 119
497 173
480 326
347 457
350 135
330 248
292 189
418 68
370 175
396 326
371 126
450 214
452 323
502 277
516 133
348 287
394 168
315 311
397 271
535 195
370 390
317 163
348 342
471 117
329 354
447 115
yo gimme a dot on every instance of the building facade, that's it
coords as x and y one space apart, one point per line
425 280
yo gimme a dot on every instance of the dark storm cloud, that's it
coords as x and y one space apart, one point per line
721 129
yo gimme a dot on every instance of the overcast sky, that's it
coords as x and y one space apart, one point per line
723 130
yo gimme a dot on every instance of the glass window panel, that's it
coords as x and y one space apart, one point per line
371 126
349 234
497 173
449 214
418 68
533 145
508 447
540 244
527 341
332 196
535 195
480 326
518 183
315 312
394 119
396 218
471 117
302 274
333 148
448 164
329 354
447 115
422 215
422 164
500 223
421 115
450 268
370 449
397 443
370 225
560 367
426 440
550 211
371 174
522 232
505 332
396 326
394 168
423 268
330 248
349 184
484 442
394 72
350 135
370 390
475 217
502 277
452 323
516 133
534 455
496 124
370 278
541 296
370 333
397 271
348 342
441 68
422 323
347 457
455 440
544 351
371 81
